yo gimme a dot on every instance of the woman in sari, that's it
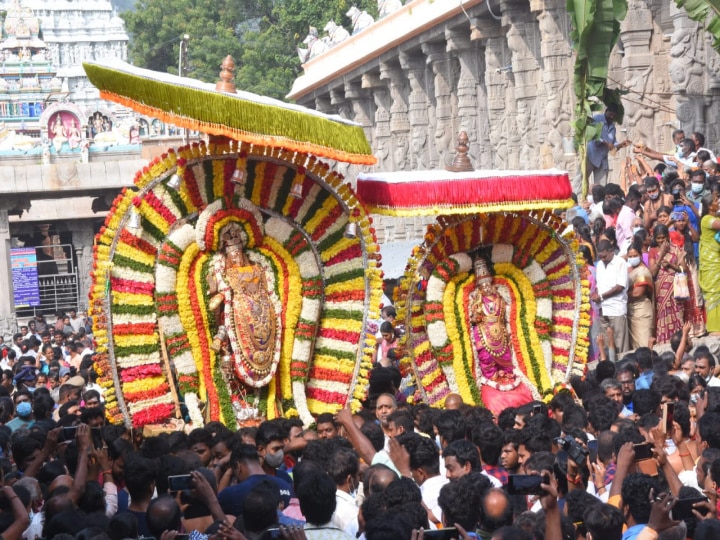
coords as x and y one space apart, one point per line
684 236
641 308
666 260
710 262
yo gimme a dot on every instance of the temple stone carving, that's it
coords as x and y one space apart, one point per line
502 72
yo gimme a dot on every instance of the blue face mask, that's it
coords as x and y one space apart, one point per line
24 409
697 188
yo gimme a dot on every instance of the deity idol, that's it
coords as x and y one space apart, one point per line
249 324
489 333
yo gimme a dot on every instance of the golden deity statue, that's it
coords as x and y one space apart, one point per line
248 325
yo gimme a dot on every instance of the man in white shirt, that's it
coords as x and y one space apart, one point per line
425 470
611 294
343 468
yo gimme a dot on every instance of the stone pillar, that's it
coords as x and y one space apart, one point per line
8 322
471 94
523 40
637 67
686 71
399 123
418 106
82 241
555 129
498 83
381 134
323 105
344 110
362 106
445 71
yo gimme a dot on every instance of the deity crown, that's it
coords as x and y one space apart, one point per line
482 272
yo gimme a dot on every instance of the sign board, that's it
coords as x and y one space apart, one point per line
26 286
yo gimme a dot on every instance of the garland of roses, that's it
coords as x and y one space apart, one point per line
551 351
331 351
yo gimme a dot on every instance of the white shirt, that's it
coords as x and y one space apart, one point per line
608 276
713 381
345 511
430 491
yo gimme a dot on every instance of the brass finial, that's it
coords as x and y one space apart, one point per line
225 84
461 162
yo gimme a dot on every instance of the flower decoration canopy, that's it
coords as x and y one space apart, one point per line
433 193
241 116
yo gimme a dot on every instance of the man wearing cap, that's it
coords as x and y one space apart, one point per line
25 378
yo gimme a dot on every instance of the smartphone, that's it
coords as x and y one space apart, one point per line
668 417
97 439
643 451
683 508
180 482
69 433
526 484
592 447
271 532
182 537
442 534
537 409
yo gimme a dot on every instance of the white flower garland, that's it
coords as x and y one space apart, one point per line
544 308
435 289
202 222
193 407
301 403
310 310
437 333
124 272
464 262
534 272
307 265
134 360
278 229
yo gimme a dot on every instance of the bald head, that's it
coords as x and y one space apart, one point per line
381 479
453 402
496 510
163 514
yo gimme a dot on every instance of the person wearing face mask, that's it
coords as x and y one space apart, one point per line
684 236
641 299
655 200
666 260
270 444
23 413
344 467
697 187
684 157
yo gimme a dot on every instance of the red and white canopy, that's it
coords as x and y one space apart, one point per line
413 193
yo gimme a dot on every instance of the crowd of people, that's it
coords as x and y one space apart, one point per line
653 253
630 451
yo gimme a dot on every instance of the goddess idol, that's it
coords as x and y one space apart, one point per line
249 326
491 342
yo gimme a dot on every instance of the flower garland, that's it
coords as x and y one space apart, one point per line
158 273
528 249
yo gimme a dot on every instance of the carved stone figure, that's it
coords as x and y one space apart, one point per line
418 150
360 19
386 7
336 33
315 46
400 154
